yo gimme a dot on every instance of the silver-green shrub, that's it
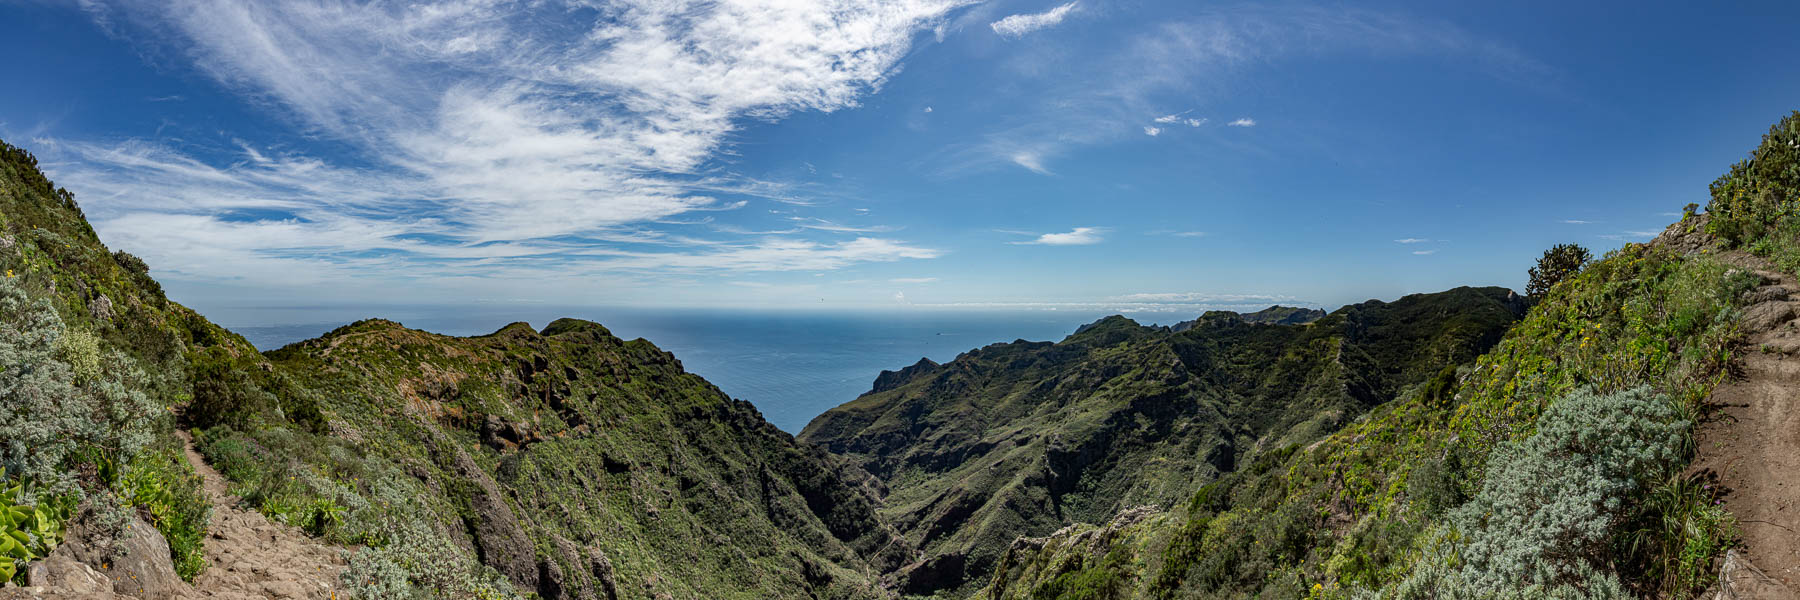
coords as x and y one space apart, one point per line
36 390
1541 524
418 563
49 410
1550 502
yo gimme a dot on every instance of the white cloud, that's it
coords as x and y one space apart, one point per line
1014 26
1576 222
493 134
928 109
1206 298
1189 234
1152 131
1178 119
1631 235
1032 161
1079 236
1243 122
1411 241
912 280
824 225
1425 252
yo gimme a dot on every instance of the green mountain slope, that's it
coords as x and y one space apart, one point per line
1025 438
562 463
1555 466
569 456
93 358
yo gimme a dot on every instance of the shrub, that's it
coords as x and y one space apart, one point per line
1551 503
418 562
130 262
61 396
39 404
1557 264
1680 527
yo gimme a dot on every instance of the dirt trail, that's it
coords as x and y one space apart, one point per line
1753 440
251 557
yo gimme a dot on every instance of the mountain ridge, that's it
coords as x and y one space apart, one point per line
1034 421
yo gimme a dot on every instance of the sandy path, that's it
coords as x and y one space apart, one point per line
251 557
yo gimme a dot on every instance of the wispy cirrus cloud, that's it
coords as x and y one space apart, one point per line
1013 26
1201 297
1101 98
494 138
1411 240
1631 235
1079 236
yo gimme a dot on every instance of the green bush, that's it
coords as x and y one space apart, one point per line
416 562
1681 527
1557 264
1551 503
52 413
235 392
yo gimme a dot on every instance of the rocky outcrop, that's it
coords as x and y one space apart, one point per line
888 380
500 539
137 564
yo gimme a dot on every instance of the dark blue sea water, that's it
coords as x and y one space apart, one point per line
793 365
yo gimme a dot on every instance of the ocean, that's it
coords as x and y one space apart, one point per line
792 365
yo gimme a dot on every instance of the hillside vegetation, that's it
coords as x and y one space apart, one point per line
1552 467
1027 437
562 463
1464 444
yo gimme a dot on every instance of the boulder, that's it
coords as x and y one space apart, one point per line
1740 580
89 563
1766 316
1767 293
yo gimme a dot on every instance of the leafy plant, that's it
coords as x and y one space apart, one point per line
1557 264
163 485
27 532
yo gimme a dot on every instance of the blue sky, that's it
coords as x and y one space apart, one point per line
908 154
